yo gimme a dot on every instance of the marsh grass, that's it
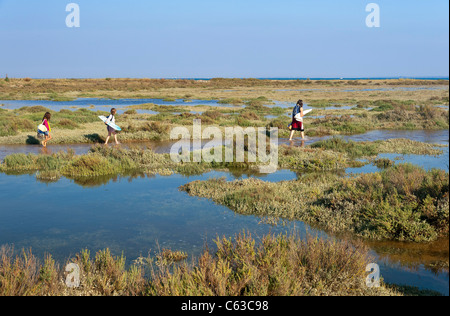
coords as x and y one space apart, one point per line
402 203
12 125
26 119
424 116
33 109
231 101
157 130
387 114
275 265
369 149
331 155
383 163
312 159
353 149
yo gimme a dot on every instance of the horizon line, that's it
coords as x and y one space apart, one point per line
257 78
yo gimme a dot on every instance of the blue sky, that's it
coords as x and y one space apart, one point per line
223 38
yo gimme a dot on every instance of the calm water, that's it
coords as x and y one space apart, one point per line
130 214
103 104
122 105
138 214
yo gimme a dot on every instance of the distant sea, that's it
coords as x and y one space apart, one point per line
362 78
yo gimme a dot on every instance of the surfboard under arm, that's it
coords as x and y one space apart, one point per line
104 119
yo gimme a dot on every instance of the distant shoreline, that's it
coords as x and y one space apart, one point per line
268 78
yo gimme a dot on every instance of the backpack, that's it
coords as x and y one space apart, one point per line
297 114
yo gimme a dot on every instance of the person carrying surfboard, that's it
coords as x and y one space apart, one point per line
111 131
44 129
297 120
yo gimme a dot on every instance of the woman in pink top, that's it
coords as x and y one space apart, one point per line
46 123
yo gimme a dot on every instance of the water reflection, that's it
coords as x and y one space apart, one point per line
124 213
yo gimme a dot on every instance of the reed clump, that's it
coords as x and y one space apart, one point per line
277 266
369 149
403 202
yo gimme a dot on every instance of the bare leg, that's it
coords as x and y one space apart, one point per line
303 135
47 139
107 138
292 135
115 138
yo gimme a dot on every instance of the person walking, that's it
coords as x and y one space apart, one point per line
44 129
111 131
297 120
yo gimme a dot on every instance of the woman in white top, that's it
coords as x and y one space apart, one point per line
297 120
111 131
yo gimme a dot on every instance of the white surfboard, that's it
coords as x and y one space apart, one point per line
299 118
104 119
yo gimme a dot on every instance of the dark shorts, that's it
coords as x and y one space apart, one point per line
297 126
111 130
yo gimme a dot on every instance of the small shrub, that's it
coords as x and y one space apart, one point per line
67 124
252 116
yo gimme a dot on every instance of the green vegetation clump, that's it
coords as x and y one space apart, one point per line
33 109
424 116
257 102
369 149
353 149
249 103
80 116
400 203
312 159
277 266
403 203
96 165
13 125
231 101
156 130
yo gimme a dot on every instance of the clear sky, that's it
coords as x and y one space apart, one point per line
223 38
